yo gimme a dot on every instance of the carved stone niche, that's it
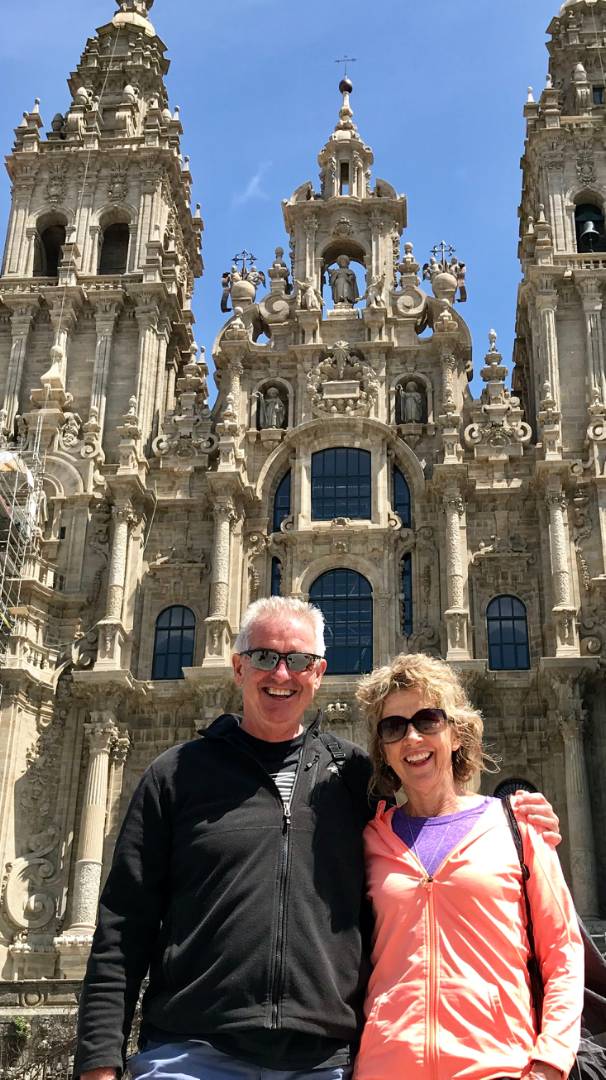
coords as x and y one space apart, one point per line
270 412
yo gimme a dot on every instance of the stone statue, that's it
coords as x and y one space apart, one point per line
343 283
279 270
256 277
271 410
374 292
411 403
459 270
310 298
71 430
431 268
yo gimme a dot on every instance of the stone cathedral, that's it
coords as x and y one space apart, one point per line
345 460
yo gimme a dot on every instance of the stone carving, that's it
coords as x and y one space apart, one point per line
343 283
447 277
56 186
187 430
117 187
342 383
70 432
241 283
498 425
581 90
98 545
310 298
279 271
338 712
27 901
411 403
271 410
374 292
585 164
582 528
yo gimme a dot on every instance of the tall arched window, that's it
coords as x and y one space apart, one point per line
282 498
401 497
589 225
174 642
114 249
345 599
340 484
507 628
49 250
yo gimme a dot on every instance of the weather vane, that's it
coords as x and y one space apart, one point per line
346 60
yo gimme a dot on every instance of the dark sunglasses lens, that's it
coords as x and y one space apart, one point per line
264 659
429 720
392 728
299 661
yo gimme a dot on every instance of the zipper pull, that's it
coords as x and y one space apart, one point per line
286 819
310 764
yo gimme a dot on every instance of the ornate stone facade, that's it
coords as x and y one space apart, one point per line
155 499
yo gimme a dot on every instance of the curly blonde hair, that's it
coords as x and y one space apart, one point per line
441 689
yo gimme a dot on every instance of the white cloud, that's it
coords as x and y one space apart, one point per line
254 188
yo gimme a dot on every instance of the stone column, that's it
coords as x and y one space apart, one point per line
311 228
223 513
123 519
22 322
147 318
580 826
101 734
106 314
456 615
563 610
592 307
547 305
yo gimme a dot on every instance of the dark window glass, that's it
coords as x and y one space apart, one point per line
276 577
174 643
507 629
114 250
345 599
407 608
340 484
282 502
507 787
401 497
598 95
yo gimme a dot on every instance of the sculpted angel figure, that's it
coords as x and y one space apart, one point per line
374 292
310 298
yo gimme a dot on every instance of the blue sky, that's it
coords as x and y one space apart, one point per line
438 93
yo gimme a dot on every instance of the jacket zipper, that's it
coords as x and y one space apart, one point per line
432 995
277 982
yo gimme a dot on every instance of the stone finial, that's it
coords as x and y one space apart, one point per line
530 98
492 339
140 7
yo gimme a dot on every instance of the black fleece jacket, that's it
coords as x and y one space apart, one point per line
246 917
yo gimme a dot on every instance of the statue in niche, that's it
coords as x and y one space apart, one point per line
310 298
411 403
343 283
271 410
374 292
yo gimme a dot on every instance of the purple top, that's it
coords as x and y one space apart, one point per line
432 839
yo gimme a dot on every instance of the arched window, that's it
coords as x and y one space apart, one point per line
282 501
401 497
406 596
174 642
507 627
276 577
114 249
507 787
340 484
589 225
345 599
48 251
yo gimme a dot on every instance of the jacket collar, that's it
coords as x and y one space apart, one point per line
226 724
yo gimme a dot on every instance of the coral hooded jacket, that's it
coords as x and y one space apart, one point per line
449 996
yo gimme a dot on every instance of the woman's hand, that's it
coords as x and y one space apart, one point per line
540 1071
533 806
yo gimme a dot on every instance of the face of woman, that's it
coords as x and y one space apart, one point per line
422 762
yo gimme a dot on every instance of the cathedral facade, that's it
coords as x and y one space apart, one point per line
345 461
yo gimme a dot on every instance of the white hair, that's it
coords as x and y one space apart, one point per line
280 607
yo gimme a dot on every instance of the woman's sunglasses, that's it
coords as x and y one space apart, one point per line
268 659
426 721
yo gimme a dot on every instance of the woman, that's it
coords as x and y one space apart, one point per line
449 994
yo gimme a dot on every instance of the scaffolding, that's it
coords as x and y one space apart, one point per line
21 500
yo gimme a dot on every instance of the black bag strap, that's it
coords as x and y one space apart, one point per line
335 750
519 846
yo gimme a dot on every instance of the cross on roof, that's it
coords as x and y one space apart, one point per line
346 60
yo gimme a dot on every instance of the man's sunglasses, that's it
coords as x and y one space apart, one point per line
426 721
268 659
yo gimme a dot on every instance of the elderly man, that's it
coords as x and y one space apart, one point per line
238 882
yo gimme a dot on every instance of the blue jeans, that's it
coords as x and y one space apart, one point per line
190 1060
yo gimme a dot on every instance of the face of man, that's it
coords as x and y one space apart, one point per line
274 701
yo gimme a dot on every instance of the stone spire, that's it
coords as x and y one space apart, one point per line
345 160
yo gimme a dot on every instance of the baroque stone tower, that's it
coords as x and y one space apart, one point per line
344 460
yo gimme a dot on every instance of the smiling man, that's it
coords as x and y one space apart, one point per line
238 883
